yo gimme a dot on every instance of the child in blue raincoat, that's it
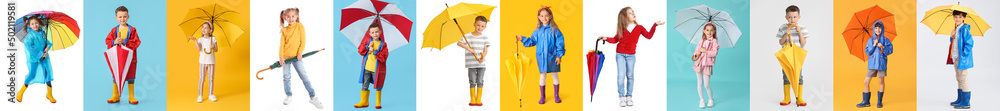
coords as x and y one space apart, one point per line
878 48
37 48
549 50
960 55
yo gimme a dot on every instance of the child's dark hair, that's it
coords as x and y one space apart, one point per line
36 17
482 18
282 16
956 12
374 25
792 8
879 25
121 9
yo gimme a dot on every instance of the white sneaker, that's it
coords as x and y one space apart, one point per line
628 100
212 97
315 102
711 102
199 99
288 100
622 100
701 103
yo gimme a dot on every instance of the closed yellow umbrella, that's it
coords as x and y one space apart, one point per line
791 58
451 25
515 68
940 20
226 23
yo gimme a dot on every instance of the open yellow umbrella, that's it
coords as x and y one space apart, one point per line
940 20
450 26
791 58
225 20
515 68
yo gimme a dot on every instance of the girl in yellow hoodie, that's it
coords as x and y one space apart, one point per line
293 41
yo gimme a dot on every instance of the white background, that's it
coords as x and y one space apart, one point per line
649 89
67 83
317 17
936 80
817 72
442 79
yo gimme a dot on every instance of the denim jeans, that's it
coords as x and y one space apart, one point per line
626 66
286 70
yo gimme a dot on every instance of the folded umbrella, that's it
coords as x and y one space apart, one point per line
120 61
595 61
515 68
791 58
277 64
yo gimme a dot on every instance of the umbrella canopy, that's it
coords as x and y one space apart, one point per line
277 64
119 60
859 29
358 16
940 20
226 23
515 68
691 21
451 25
791 58
62 30
595 61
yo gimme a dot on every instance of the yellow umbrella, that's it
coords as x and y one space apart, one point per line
226 23
791 58
515 68
447 27
940 20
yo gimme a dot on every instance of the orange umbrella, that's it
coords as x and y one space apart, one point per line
859 29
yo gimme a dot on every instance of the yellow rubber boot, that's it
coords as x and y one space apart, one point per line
364 100
378 99
131 94
798 97
21 93
472 96
479 96
49 95
114 96
786 101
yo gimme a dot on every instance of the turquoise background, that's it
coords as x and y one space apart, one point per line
399 91
148 17
731 78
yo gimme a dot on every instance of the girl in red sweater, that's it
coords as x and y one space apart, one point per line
628 32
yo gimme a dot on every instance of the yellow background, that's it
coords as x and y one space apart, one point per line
849 71
232 86
520 19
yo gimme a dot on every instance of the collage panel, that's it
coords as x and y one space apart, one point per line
373 50
708 55
624 67
877 39
125 46
773 59
208 39
43 54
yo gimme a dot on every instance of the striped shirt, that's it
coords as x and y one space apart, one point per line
794 34
477 43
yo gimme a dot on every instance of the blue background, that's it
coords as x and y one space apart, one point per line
731 78
148 17
399 91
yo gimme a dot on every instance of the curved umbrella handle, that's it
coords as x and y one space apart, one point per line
598 41
694 58
258 73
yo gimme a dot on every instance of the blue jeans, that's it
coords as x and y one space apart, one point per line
626 66
286 70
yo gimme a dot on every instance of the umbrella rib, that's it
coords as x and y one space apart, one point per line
977 24
727 35
941 25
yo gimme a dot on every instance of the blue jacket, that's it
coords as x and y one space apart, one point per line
550 45
964 47
39 70
877 56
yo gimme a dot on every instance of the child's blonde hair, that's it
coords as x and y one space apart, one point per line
715 30
552 21
623 20
282 16
210 27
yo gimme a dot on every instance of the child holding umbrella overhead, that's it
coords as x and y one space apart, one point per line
628 32
878 49
549 51
37 49
704 55
207 46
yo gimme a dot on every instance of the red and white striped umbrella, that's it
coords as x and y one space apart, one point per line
119 60
356 18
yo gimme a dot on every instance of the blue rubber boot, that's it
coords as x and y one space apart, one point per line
965 101
864 100
958 99
879 105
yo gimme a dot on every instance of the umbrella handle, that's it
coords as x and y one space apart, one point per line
598 41
694 58
258 73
